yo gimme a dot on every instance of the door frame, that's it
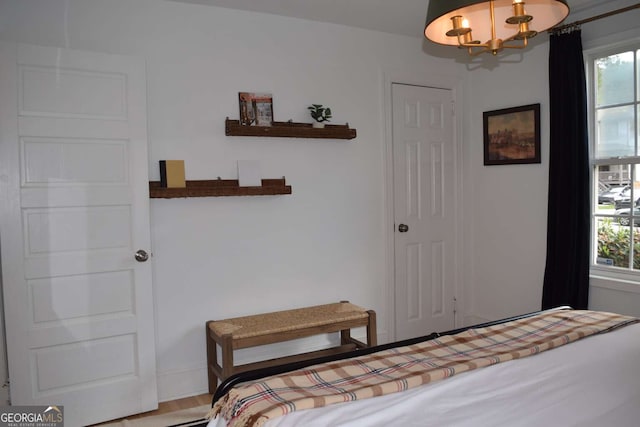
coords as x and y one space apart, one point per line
439 81
9 185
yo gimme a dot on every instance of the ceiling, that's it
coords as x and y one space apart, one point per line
404 17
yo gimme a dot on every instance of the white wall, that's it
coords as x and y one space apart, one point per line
508 202
222 257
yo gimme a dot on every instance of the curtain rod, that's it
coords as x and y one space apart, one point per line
594 18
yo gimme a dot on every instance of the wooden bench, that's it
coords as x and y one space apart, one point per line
269 328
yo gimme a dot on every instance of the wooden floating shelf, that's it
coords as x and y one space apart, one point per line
217 188
289 130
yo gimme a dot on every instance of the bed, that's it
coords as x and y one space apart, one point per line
561 367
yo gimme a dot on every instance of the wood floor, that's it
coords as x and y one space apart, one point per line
174 405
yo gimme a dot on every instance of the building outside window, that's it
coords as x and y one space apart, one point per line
614 77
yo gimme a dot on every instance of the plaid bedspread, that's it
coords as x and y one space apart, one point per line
402 368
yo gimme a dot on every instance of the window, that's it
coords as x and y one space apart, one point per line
615 122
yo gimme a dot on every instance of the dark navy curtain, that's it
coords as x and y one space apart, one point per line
566 277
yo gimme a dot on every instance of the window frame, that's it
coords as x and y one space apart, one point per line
625 274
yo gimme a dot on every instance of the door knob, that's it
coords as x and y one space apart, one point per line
403 228
141 255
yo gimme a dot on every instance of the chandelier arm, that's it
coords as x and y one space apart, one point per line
474 45
462 43
513 37
514 47
469 45
525 43
478 52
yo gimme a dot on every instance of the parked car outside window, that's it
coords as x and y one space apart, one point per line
623 200
625 219
608 196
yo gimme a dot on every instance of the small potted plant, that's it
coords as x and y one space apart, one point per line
320 114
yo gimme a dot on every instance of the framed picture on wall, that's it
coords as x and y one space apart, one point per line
512 135
256 109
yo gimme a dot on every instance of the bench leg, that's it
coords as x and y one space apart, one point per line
372 335
212 360
227 356
345 336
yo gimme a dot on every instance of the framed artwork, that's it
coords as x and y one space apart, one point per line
512 135
256 109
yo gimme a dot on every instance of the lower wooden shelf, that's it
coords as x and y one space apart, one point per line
218 188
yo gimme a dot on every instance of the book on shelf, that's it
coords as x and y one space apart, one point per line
256 109
172 174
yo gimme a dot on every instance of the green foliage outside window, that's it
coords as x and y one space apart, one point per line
613 244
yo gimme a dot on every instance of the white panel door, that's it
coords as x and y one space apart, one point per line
424 171
75 209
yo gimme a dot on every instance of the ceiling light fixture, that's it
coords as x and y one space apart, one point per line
504 24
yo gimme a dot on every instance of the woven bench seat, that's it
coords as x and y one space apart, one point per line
269 328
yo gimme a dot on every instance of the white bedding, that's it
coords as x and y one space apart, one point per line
591 382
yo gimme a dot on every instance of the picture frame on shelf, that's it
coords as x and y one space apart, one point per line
256 109
512 135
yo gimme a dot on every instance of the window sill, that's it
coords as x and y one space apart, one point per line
617 281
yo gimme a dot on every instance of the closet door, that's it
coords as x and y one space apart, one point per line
424 209
74 212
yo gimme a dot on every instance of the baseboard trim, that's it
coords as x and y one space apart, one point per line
473 319
4 396
181 383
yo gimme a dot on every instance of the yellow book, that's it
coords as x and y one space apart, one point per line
172 174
